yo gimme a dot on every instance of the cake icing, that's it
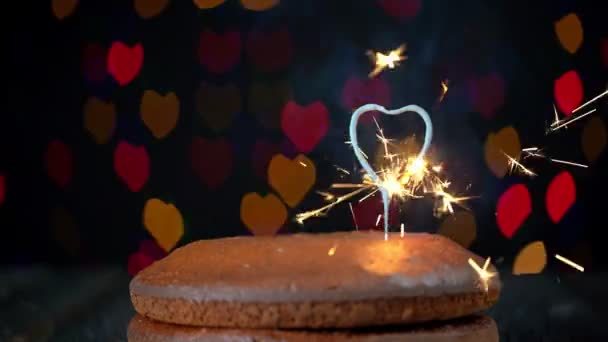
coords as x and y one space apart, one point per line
298 267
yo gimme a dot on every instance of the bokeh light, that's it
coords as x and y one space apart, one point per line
159 112
505 141
59 162
291 179
531 259
460 227
305 126
569 31
99 119
132 165
212 161
125 62
219 52
568 92
218 104
560 196
147 9
263 215
513 208
593 139
164 222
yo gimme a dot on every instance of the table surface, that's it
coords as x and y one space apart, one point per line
44 304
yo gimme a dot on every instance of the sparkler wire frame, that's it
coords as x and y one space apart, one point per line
428 136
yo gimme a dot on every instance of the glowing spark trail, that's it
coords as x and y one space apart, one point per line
353 213
444 90
590 101
515 164
569 262
567 122
484 274
332 251
389 60
535 152
402 230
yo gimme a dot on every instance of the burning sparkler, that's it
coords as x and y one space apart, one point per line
390 60
403 177
484 274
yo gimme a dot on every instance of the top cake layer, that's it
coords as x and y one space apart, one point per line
341 266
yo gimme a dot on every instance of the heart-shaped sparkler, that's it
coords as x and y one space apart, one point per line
428 135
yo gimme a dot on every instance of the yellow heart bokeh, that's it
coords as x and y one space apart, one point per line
205 4
164 222
531 259
263 215
569 31
218 105
259 5
63 8
99 119
159 113
147 9
291 178
506 141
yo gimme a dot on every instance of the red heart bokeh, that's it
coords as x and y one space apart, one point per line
568 92
402 9
269 51
560 196
513 208
604 51
137 262
487 94
219 52
358 92
2 188
124 63
305 126
59 162
366 213
132 165
152 249
212 161
94 66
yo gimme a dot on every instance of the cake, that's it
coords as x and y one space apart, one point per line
315 284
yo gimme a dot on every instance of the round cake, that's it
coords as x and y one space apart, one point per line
469 329
312 281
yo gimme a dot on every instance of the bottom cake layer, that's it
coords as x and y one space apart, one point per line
468 329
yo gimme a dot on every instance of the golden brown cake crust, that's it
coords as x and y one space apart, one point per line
470 329
295 281
317 315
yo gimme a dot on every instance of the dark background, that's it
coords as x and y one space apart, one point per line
46 89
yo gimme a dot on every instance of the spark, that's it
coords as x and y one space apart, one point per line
343 170
515 164
332 251
327 195
561 124
378 219
303 164
444 90
390 60
569 263
353 213
568 163
535 152
484 274
402 230
590 101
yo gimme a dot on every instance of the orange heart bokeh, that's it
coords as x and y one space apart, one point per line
291 178
505 141
206 4
99 119
159 113
164 222
263 215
